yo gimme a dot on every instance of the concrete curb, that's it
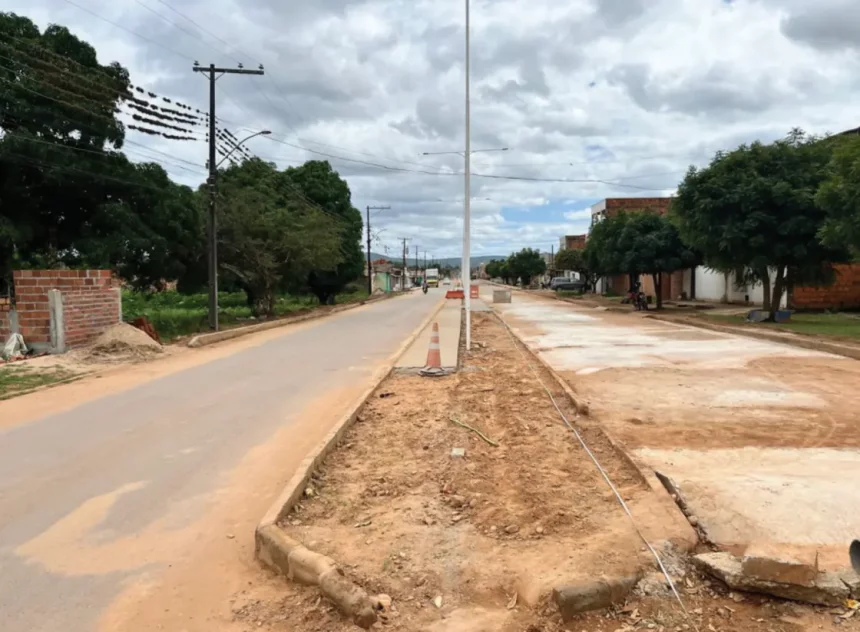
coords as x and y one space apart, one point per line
202 340
798 341
275 549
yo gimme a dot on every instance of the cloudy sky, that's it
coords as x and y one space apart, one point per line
597 98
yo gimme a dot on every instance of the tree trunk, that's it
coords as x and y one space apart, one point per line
270 302
693 283
725 298
658 289
776 298
766 298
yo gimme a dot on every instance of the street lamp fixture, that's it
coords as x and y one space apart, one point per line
265 132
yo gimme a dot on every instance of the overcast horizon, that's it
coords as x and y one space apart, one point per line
622 94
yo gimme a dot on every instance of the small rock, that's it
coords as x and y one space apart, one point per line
511 529
458 453
457 501
309 492
693 521
230 536
437 601
539 530
383 602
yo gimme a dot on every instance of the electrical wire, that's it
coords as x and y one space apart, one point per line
603 473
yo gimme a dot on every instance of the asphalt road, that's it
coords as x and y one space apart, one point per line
104 495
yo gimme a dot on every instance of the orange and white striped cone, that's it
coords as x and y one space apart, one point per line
433 367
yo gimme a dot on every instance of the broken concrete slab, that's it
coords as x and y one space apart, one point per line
573 599
775 563
828 589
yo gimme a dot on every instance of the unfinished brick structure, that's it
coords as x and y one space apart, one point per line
843 294
58 309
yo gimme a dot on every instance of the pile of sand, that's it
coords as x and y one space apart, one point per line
123 342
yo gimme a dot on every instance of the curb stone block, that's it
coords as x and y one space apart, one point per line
577 598
771 563
283 554
827 590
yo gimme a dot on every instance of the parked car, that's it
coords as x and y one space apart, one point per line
446 281
568 284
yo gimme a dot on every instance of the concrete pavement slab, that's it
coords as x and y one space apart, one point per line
762 438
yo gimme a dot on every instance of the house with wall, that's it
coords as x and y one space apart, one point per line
694 283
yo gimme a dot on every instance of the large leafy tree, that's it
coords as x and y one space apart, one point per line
634 244
526 264
318 184
58 110
601 255
269 238
499 270
754 208
650 244
574 259
839 195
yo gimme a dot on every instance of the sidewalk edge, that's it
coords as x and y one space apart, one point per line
274 548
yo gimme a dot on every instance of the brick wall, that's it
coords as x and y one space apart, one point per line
5 308
91 303
632 205
843 294
574 242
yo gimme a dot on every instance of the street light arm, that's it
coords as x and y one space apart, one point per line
265 132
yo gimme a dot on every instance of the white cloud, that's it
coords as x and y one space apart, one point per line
627 92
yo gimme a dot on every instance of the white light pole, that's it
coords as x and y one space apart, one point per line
466 265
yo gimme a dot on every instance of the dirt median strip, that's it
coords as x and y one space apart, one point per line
433 517
274 548
202 340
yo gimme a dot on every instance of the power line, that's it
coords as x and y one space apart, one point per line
120 26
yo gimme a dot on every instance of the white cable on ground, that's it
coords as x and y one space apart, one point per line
605 476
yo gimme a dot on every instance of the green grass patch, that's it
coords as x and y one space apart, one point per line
18 377
833 325
175 315
568 294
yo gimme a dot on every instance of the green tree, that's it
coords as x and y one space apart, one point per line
839 196
319 184
525 265
754 208
650 244
602 256
574 259
268 239
58 110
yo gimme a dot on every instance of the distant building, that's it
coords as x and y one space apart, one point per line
613 206
572 242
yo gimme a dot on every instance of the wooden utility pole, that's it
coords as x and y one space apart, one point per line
211 70
405 270
369 265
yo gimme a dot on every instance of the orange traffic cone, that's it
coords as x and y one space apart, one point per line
434 356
